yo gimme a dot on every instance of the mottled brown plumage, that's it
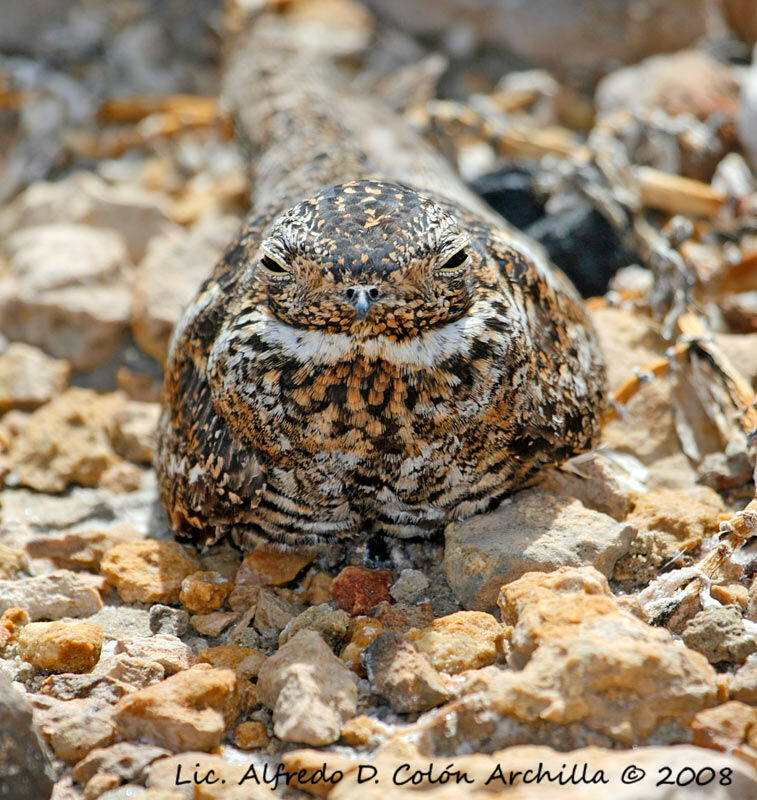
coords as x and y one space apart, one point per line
377 352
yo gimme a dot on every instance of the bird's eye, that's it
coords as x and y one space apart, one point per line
455 262
274 267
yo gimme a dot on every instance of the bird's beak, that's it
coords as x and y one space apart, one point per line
362 297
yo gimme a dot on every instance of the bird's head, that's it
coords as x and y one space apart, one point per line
367 258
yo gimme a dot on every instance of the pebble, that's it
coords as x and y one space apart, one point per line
204 591
165 619
213 624
724 727
747 116
81 550
74 738
309 690
148 571
225 655
100 783
13 562
743 685
409 587
719 634
400 617
66 442
133 430
331 624
188 711
742 18
251 736
61 646
269 567
167 650
67 292
360 633
358 589
29 772
401 673
29 378
465 640
273 613
128 760
58 594
536 531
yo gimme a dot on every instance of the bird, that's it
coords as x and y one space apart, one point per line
377 353
383 362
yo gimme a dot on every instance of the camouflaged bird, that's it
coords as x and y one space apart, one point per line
377 352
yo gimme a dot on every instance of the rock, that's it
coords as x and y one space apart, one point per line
225 655
403 675
578 38
409 587
122 622
399 617
363 731
133 431
66 442
724 727
204 591
59 594
268 567
167 278
11 622
744 683
309 690
61 646
249 666
164 619
331 624
100 783
13 562
74 738
163 776
272 612
688 82
251 736
668 521
70 686
188 711
536 531
25 768
81 550
138 215
149 571
599 490
67 292
29 378
360 633
465 640
317 587
168 651
742 17
582 671
740 311
719 634
213 624
358 589
125 759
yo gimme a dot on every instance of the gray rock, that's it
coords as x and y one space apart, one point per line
164 619
125 759
409 587
719 634
403 675
25 767
536 531
54 596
